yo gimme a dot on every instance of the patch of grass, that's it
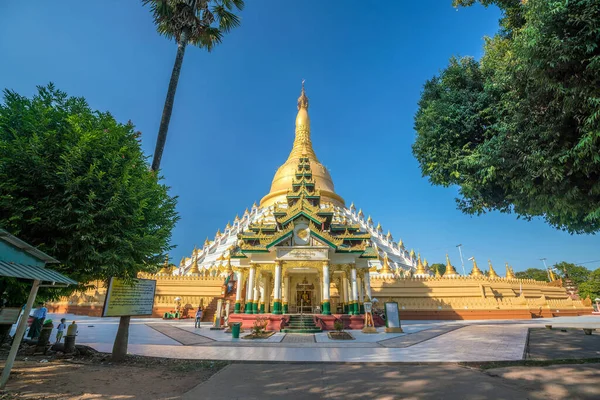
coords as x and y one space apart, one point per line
195 365
528 363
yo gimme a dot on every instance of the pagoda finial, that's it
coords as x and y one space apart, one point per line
389 235
400 244
379 228
182 262
360 213
303 100
369 220
352 207
194 270
450 271
475 271
206 242
491 272
420 267
437 272
386 264
509 272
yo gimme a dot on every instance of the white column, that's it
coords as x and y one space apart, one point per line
361 290
286 292
355 309
249 289
256 290
368 285
345 290
326 301
262 289
277 289
238 289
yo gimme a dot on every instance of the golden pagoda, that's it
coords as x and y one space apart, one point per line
509 272
475 271
450 271
491 272
302 147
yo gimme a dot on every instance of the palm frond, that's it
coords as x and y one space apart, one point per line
195 19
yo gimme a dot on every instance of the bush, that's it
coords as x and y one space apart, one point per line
338 325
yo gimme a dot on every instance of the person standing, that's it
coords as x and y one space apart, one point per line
198 317
61 329
39 315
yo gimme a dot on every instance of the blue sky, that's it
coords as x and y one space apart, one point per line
233 122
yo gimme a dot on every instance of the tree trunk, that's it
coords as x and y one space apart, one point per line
168 108
120 346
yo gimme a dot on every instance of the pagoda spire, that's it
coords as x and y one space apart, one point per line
492 273
450 271
420 267
302 143
509 272
475 271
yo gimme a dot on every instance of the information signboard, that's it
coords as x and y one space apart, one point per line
9 315
123 299
392 317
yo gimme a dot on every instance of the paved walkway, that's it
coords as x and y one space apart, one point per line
423 341
323 381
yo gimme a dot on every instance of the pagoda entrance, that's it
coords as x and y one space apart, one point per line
305 294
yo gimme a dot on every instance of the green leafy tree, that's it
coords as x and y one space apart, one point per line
591 287
519 130
75 183
201 23
533 273
440 267
577 273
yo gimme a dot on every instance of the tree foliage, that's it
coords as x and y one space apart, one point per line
519 131
577 273
533 273
591 287
440 267
75 183
201 23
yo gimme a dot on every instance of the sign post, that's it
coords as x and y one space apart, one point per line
124 299
369 324
392 318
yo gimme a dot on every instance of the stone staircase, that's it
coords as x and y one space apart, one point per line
211 308
301 324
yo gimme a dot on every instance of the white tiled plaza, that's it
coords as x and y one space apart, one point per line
423 341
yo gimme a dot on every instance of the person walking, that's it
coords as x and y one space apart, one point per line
61 329
39 315
198 317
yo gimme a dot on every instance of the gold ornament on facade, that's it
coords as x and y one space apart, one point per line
386 265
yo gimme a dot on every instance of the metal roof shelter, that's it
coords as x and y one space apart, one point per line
19 259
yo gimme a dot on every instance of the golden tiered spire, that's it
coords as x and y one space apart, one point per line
420 267
389 236
491 273
400 244
437 272
228 225
386 265
379 228
237 218
450 271
206 242
302 148
475 271
369 220
352 207
412 253
166 270
360 213
182 262
509 272
552 276
195 270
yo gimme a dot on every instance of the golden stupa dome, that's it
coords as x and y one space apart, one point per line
282 181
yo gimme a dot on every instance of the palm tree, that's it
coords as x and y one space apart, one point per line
201 23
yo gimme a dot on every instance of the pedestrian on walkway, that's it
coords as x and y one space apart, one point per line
61 329
198 317
39 315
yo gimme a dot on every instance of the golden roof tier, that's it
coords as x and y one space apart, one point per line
282 181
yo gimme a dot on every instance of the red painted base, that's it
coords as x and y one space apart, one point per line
325 322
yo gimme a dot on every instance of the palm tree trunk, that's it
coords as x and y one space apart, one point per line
168 109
